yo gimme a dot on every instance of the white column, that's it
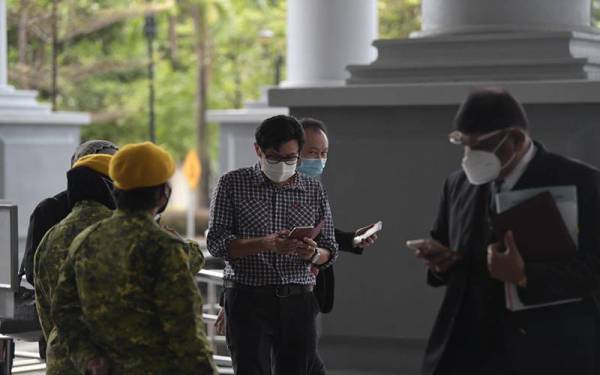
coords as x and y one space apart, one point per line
3 46
324 36
474 16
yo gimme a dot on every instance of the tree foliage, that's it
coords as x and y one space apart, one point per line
102 63
102 59
398 18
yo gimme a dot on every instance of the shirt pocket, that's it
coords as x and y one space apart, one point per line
253 214
300 216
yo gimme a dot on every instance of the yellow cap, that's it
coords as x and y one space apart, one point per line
96 162
140 165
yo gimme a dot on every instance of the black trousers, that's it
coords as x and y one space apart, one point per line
318 367
267 334
477 345
478 362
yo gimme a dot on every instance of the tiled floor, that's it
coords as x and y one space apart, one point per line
30 366
27 360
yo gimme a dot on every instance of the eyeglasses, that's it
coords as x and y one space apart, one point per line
273 159
459 138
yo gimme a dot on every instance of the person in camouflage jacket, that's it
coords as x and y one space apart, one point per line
126 301
90 191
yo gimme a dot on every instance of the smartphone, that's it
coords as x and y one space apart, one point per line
427 246
375 228
419 244
300 233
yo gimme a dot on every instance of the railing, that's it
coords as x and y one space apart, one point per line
27 361
213 282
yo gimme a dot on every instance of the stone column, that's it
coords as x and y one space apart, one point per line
3 46
35 142
543 51
324 36
476 16
490 40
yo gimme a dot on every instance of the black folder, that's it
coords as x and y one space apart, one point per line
538 228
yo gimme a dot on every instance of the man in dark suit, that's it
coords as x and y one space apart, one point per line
314 157
474 333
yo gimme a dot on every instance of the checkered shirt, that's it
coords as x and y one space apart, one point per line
246 204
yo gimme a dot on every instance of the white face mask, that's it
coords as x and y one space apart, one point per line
278 172
482 167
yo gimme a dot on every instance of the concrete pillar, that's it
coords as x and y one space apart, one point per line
3 46
409 97
35 143
475 16
324 36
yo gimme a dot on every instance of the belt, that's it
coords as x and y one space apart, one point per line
283 290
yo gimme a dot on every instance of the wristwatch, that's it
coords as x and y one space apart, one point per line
316 256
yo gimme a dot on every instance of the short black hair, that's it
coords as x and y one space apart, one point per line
313 124
141 199
488 109
275 131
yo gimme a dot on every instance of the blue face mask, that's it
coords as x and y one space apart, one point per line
312 167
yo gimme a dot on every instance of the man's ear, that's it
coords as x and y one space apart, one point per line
258 151
161 197
520 137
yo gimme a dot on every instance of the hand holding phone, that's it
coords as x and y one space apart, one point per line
300 233
364 234
437 257
281 243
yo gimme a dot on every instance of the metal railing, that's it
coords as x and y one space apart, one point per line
27 361
213 282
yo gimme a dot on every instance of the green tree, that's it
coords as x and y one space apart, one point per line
102 63
211 54
398 18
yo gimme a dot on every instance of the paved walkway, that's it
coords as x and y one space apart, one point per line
27 359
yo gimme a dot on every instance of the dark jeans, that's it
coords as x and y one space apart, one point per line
267 334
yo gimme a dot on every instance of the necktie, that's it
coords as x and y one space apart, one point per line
494 188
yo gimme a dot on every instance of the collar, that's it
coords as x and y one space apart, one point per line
137 214
511 180
89 203
296 182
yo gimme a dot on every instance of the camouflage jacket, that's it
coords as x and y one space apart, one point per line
126 293
49 257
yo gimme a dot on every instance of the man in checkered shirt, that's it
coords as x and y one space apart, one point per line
269 305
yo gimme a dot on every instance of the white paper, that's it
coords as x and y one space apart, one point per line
566 201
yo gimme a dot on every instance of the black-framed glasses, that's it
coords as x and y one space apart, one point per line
291 160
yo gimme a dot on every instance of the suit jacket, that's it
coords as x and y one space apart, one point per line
324 289
553 340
